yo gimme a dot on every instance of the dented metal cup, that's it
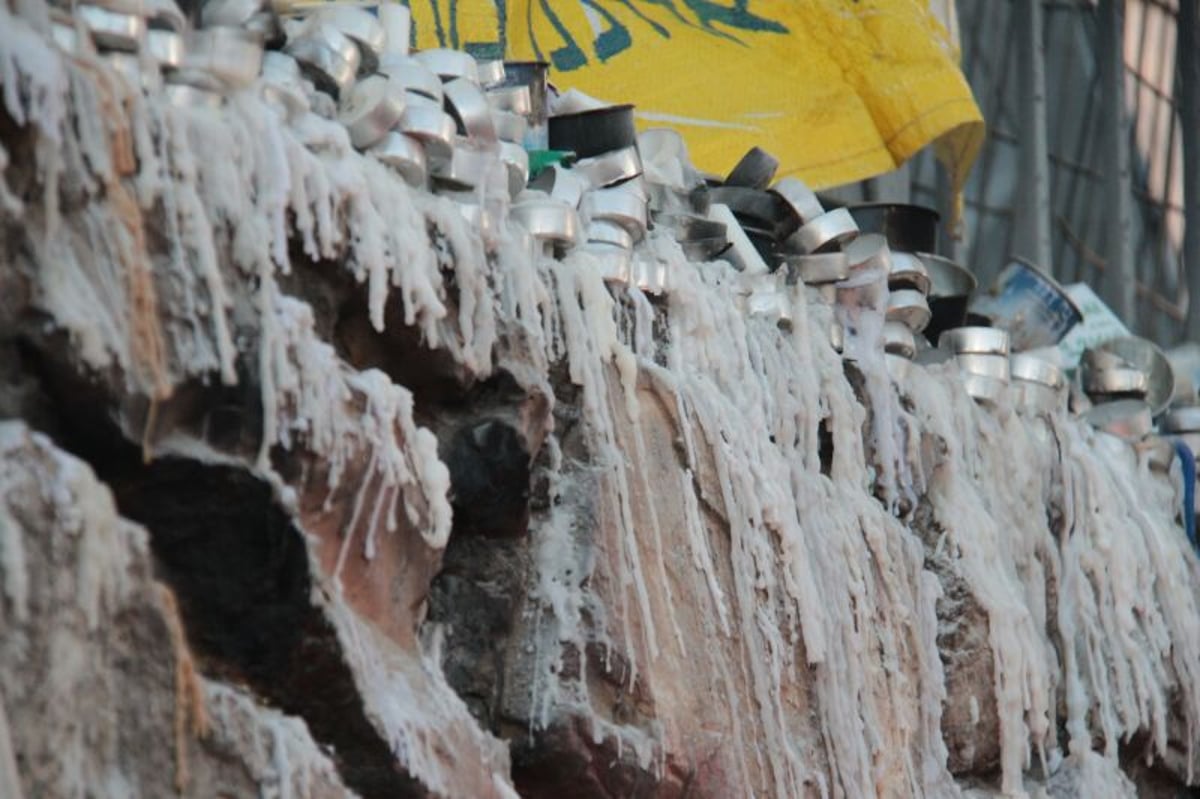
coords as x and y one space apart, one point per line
549 221
164 47
898 340
818 268
800 197
832 229
983 389
1181 420
976 340
909 307
614 263
412 75
600 231
1147 357
907 271
532 74
516 164
869 252
514 99
112 30
465 168
370 109
329 58
621 205
611 168
1037 384
424 120
229 54
562 184
450 64
404 154
491 73
510 127
357 24
1032 369
468 105
996 367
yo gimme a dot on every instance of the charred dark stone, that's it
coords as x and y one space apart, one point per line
825 442
564 762
475 599
489 479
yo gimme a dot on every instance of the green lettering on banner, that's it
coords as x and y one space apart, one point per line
737 16
614 39
566 58
446 30
710 17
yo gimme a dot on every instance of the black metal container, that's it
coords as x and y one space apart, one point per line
907 228
595 132
950 288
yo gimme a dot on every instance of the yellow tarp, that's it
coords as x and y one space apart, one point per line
838 91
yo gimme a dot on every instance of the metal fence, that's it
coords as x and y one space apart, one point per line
1090 161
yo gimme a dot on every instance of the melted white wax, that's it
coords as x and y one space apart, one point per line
52 503
277 750
824 590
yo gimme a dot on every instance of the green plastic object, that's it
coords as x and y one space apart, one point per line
540 160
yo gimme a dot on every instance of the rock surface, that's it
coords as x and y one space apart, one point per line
331 496
101 696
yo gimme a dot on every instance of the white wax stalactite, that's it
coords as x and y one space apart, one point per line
13 567
83 510
33 85
586 317
989 544
428 727
1128 600
563 565
313 393
863 300
226 181
774 391
10 778
277 750
82 567
1123 575
754 396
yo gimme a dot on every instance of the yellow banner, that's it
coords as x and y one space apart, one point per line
838 91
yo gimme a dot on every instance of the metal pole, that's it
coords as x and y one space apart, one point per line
1033 208
1188 60
1119 288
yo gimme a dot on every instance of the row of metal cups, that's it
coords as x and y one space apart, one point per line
152 46
443 120
1124 384
599 202
468 116
989 370
439 117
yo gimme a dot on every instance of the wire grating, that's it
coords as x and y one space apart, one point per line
1078 172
